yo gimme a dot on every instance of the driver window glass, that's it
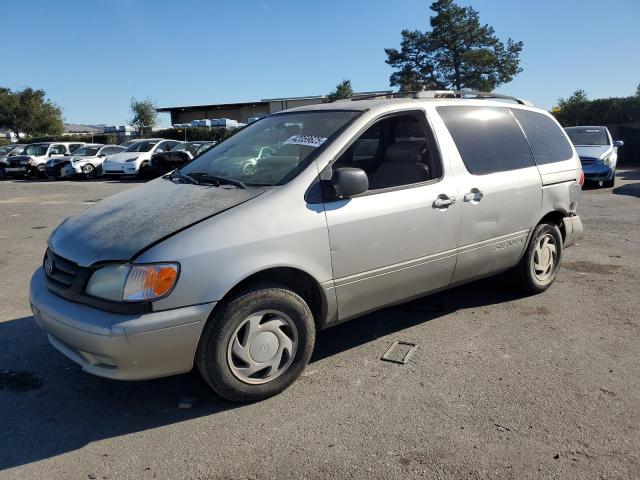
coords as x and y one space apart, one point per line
57 150
396 151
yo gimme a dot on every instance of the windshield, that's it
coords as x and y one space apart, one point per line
180 147
6 149
142 146
273 150
587 136
37 150
86 152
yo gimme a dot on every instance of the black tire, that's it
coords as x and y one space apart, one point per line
3 173
528 277
143 172
610 183
89 171
213 355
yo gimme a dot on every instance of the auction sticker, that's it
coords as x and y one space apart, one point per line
308 140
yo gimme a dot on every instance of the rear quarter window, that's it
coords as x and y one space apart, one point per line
488 139
547 140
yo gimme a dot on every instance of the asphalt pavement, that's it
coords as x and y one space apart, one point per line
501 385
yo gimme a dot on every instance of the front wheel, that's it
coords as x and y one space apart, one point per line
256 344
540 263
89 171
610 183
143 172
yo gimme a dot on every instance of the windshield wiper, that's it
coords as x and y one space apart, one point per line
185 178
217 181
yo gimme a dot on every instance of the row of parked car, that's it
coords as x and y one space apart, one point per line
144 157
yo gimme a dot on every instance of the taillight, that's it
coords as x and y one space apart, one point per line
581 181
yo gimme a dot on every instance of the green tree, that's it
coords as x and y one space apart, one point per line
342 90
28 111
458 52
145 116
570 110
638 90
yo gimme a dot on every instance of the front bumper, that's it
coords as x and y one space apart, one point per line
120 168
598 172
119 346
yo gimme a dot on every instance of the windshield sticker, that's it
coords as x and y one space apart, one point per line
308 140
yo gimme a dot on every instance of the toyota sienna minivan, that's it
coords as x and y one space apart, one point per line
358 205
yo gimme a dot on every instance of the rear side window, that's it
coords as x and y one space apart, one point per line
489 139
547 140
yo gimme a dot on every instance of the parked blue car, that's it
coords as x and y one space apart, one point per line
598 153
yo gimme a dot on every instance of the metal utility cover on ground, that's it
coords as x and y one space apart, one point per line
395 352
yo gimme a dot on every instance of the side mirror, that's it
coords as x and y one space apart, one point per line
347 182
618 143
102 155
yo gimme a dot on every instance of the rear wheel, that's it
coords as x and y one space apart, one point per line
540 263
89 171
256 344
3 173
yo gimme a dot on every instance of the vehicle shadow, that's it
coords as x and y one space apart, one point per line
630 174
629 189
50 407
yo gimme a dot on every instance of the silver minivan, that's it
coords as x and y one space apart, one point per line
352 206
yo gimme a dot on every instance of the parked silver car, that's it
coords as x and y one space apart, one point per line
598 153
368 203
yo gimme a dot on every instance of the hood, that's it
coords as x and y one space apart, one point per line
124 156
179 156
57 160
121 226
83 158
593 151
18 159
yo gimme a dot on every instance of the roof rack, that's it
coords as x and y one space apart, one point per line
422 94
467 94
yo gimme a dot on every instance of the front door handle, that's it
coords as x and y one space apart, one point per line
474 195
443 201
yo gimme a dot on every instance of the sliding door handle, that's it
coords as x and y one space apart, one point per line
474 195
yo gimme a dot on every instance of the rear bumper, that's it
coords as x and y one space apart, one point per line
119 346
573 230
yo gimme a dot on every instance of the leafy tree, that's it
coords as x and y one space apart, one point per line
28 111
638 90
457 53
145 116
342 90
570 110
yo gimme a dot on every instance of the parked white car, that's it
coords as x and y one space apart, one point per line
86 161
135 159
32 161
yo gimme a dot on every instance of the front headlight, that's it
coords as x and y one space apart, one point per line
608 160
131 159
133 283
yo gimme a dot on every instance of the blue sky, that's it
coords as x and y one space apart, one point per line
91 57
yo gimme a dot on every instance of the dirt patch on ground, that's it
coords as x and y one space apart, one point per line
19 381
584 266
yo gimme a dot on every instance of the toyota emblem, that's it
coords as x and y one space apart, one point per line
48 265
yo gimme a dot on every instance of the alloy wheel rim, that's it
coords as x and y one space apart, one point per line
262 347
88 171
545 257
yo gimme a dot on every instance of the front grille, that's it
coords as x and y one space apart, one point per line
588 160
60 270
